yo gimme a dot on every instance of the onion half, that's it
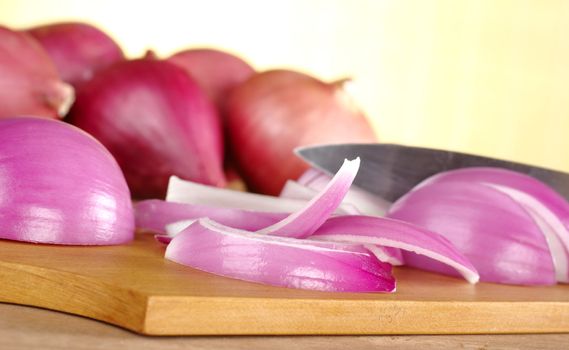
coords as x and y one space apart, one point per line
491 228
59 185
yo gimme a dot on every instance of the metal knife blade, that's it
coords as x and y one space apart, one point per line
391 170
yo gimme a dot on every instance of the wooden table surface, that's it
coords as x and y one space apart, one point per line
23 327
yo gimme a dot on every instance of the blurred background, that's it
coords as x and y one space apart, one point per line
482 76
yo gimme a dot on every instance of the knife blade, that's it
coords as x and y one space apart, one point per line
391 170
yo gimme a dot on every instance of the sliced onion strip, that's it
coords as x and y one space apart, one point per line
279 261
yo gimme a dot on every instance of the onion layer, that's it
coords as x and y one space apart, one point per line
29 83
59 185
409 238
278 261
156 121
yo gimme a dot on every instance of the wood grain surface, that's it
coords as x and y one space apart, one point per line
134 287
30 328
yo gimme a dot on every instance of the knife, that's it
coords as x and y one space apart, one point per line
391 170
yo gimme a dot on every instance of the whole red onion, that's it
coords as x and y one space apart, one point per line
78 49
156 121
216 71
29 82
276 111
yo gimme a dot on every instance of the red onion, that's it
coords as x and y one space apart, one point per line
276 111
156 121
279 261
79 50
29 82
59 185
217 72
492 228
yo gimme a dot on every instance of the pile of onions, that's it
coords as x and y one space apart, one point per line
59 185
29 82
78 50
276 111
156 121
310 247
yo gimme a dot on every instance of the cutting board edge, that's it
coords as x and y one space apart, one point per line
340 317
73 293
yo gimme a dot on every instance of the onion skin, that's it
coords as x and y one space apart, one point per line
30 83
78 50
59 185
217 72
276 111
156 121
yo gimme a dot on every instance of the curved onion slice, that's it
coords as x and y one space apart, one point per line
59 185
396 234
279 261
300 223
183 191
156 214
490 228
365 202
305 222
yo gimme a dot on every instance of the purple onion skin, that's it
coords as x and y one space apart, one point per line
156 121
59 185
78 50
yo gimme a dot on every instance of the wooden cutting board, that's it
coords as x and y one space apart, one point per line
132 286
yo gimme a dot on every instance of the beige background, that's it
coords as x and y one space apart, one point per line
484 76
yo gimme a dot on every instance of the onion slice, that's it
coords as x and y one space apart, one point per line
183 191
365 202
305 222
396 234
156 214
279 261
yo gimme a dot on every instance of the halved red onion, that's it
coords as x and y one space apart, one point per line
182 191
78 50
29 82
156 121
489 227
549 209
396 234
59 185
279 261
